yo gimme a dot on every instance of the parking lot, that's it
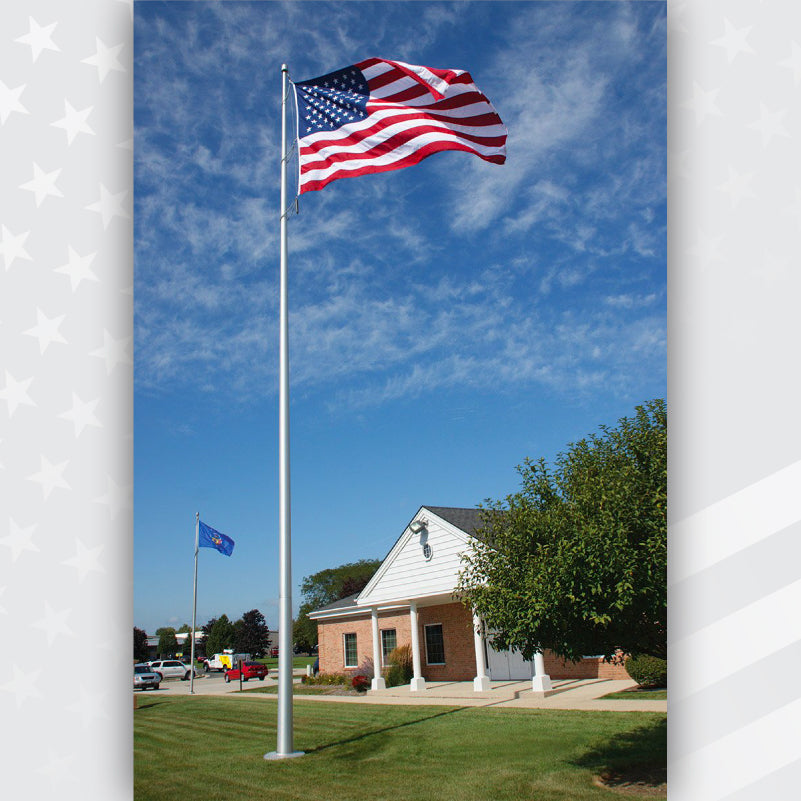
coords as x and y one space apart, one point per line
213 684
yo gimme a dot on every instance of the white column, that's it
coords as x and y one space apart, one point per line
378 682
541 683
481 682
418 682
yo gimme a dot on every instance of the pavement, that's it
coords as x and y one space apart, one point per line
577 694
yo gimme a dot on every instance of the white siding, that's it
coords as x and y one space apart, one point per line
406 574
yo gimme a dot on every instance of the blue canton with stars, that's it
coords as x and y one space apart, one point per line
331 101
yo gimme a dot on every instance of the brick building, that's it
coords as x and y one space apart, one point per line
410 600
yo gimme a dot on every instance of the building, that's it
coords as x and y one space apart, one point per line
410 600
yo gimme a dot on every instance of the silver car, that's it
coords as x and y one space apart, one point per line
170 669
145 678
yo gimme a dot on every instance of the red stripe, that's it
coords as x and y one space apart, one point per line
414 158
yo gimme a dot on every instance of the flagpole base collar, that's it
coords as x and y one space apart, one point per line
275 755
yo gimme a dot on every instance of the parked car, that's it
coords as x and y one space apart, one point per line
250 670
145 678
171 669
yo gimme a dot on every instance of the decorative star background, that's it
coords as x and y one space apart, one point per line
735 184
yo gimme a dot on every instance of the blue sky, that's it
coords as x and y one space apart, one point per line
446 321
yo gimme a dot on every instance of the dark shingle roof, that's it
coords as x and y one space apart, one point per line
468 520
342 603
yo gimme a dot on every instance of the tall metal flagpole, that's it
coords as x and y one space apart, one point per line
284 746
194 609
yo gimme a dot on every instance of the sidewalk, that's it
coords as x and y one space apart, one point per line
577 694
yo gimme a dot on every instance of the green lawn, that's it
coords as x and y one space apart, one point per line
297 662
212 748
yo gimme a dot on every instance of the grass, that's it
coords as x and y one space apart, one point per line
297 661
637 693
212 748
303 689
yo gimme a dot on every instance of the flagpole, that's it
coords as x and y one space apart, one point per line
194 609
284 747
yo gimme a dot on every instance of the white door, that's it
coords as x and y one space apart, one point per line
508 665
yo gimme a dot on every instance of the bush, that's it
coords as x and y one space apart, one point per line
647 671
366 668
400 666
360 683
326 679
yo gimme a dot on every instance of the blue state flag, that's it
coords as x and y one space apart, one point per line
210 538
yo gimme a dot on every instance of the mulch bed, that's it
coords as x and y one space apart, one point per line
639 782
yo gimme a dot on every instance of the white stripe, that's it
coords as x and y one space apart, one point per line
440 84
735 523
738 759
402 84
736 641
397 154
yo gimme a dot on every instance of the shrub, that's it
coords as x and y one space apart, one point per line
366 668
647 671
400 666
360 682
326 679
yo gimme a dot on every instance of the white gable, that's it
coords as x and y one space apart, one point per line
407 574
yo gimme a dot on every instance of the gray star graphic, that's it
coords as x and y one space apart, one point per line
10 102
46 330
50 476
77 268
15 393
38 38
74 122
18 539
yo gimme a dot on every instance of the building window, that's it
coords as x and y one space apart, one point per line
389 642
351 653
435 645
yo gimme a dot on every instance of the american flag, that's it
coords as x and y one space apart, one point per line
381 115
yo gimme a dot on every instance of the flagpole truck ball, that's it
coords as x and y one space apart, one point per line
381 115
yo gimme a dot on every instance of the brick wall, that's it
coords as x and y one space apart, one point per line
457 634
592 668
331 641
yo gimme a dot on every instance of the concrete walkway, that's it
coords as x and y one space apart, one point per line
578 694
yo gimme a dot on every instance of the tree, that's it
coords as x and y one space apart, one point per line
168 645
220 635
253 635
325 587
334 583
140 649
304 629
576 561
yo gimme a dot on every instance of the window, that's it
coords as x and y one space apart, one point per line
389 641
435 645
351 654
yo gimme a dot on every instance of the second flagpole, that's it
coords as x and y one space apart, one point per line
284 747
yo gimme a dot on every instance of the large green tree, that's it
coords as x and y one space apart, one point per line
325 587
168 645
219 635
252 635
576 561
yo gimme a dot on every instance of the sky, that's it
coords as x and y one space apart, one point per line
447 320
